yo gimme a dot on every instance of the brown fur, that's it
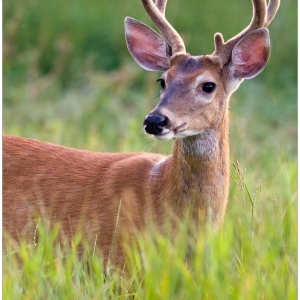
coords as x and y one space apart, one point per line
84 190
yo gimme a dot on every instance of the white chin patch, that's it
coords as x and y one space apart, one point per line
165 136
168 134
186 133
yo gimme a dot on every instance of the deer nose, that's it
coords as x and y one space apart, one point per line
154 124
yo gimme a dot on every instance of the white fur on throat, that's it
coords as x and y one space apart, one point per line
203 144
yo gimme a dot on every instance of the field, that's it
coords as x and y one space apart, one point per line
69 79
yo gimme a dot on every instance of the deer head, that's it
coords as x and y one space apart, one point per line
195 90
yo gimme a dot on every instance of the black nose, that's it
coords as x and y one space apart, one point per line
154 124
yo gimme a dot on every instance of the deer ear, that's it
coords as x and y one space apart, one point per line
250 55
147 47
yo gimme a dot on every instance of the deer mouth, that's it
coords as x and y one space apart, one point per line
175 133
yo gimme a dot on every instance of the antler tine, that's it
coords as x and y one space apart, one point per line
161 5
259 13
272 10
156 13
262 17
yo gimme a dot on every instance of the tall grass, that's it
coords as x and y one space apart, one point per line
253 256
68 79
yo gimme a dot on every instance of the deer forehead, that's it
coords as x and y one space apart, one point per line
192 70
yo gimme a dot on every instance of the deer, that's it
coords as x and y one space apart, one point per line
112 195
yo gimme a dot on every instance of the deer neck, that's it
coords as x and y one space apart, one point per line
198 172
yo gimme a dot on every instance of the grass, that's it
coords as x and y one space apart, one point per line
252 257
66 80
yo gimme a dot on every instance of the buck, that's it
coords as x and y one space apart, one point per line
108 195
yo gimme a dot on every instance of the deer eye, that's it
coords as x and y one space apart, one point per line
208 87
162 82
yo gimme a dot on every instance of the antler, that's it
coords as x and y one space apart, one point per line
161 5
262 17
156 12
